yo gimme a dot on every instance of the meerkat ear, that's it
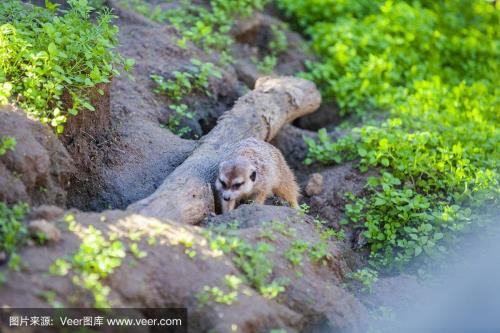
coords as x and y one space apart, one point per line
253 175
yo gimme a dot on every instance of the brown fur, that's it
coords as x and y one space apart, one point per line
273 175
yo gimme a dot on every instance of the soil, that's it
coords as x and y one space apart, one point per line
38 170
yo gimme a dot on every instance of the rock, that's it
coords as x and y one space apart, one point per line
51 233
315 184
45 212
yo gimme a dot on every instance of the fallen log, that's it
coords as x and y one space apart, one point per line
186 195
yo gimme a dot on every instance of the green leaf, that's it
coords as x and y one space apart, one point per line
51 6
52 48
129 64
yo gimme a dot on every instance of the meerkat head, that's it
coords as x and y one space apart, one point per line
236 178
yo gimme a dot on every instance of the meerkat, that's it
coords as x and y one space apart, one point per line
254 170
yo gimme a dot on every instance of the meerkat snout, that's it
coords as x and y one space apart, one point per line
254 170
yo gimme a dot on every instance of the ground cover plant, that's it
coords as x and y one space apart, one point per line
208 25
44 56
13 233
181 85
434 67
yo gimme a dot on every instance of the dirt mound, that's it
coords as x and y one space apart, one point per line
333 308
168 277
338 180
38 170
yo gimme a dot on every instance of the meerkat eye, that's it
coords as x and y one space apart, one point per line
253 175
237 186
222 183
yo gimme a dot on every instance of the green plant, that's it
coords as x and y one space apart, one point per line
319 252
330 233
433 66
206 26
175 120
13 231
7 143
273 289
136 251
97 4
295 251
202 71
146 9
233 281
50 62
367 277
175 89
252 260
267 64
304 209
215 294
276 46
51 298
269 229
183 83
373 58
96 258
309 12
279 41
188 245
326 151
